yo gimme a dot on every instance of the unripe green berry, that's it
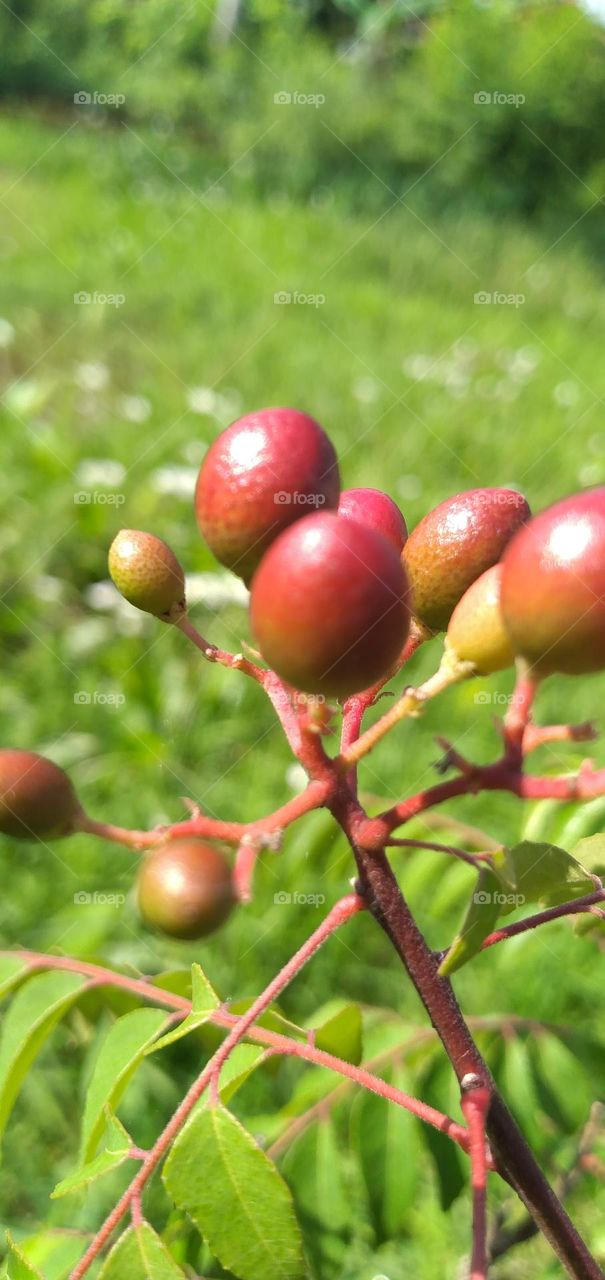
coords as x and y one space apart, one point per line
185 888
37 799
147 573
476 632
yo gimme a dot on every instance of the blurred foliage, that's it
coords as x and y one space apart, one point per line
497 106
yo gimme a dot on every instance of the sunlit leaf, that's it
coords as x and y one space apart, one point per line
118 1058
140 1255
236 1197
34 1012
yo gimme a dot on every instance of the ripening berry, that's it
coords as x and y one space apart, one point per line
37 799
454 544
476 632
147 573
329 606
185 888
263 472
375 509
553 587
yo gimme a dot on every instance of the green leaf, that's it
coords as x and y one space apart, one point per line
116 1144
204 1001
271 1019
439 1088
140 1255
117 1060
341 1034
387 1141
12 969
18 1268
239 1065
236 1197
520 1090
591 853
481 916
312 1168
34 1012
565 1080
543 873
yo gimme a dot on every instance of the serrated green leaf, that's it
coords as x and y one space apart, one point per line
387 1142
177 981
54 1253
543 873
139 1254
12 969
116 1144
236 1197
312 1168
117 1060
341 1034
34 1012
204 1001
481 916
18 1268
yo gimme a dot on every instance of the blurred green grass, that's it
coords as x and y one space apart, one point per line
423 390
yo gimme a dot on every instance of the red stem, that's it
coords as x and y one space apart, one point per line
475 1105
574 908
340 913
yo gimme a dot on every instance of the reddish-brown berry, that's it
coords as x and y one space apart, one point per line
454 544
147 573
264 472
37 799
553 587
375 509
185 888
329 605
476 632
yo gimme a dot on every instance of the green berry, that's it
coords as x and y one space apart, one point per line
476 632
147 573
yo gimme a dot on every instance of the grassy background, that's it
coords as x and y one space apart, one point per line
424 392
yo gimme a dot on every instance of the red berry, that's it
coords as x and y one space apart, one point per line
147 573
375 509
37 799
454 544
184 888
261 474
329 605
476 632
553 586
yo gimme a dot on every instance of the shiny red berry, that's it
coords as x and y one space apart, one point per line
264 472
375 509
329 605
553 586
